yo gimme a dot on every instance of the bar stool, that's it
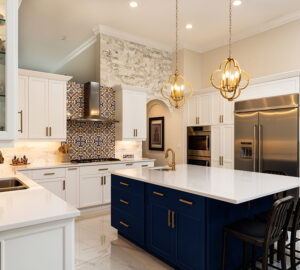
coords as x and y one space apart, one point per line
294 226
261 234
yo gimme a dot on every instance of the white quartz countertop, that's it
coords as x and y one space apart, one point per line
226 185
44 164
31 206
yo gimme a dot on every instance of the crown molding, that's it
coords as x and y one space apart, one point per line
92 40
294 16
110 31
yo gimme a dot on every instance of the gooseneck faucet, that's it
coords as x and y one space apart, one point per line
173 165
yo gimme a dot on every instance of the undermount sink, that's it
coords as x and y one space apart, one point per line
162 169
11 184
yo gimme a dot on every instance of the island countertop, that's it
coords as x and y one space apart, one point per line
232 186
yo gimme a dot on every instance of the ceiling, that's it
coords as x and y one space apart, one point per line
50 30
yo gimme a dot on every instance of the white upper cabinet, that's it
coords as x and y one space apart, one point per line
131 112
8 72
222 110
42 105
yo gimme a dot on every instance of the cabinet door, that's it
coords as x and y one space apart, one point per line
204 109
228 112
190 242
129 115
56 186
37 108
107 189
216 108
23 108
90 191
227 146
57 110
161 236
216 146
72 186
192 111
140 119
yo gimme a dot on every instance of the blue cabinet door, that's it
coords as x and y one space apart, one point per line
160 235
190 242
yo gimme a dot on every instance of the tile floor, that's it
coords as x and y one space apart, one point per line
98 247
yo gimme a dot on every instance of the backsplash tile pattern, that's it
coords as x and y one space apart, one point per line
90 139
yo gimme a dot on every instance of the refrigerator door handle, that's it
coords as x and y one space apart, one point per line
254 148
259 147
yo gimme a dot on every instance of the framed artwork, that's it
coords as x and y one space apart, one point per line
157 133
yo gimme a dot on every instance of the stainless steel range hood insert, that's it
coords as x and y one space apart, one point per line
92 105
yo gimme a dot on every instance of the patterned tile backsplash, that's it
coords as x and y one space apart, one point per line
90 139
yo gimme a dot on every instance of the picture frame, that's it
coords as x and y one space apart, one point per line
157 133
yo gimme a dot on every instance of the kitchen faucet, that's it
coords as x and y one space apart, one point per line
173 165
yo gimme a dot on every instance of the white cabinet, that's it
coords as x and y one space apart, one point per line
91 192
23 107
57 186
222 146
42 105
222 110
199 110
106 189
72 186
131 112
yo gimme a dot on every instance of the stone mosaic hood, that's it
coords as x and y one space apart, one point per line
90 139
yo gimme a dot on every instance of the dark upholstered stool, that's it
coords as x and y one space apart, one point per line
293 227
262 234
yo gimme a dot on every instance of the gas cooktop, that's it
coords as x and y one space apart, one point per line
94 160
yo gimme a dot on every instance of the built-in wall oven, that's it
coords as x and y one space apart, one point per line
198 145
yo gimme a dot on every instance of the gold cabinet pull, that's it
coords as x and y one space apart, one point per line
129 164
101 180
158 194
186 202
21 121
169 218
103 169
72 169
125 202
173 219
124 184
47 131
137 132
104 180
222 118
50 131
64 185
47 174
124 224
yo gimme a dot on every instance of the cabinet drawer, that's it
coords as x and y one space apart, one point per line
48 173
131 227
127 202
128 185
98 169
189 204
161 195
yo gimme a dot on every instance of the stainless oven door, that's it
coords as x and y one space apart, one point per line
199 144
196 160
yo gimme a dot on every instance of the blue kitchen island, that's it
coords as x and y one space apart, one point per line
179 216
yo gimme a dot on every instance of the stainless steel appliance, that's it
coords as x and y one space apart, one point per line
266 135
198 145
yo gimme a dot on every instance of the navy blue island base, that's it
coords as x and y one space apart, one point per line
182 229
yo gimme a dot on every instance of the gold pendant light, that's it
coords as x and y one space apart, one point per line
229 73
175 89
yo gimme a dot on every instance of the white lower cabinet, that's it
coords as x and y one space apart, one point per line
222 150
90 191
56 186
106 189
72 186
48 246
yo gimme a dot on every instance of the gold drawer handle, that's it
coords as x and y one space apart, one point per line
124 184
129 164
122 201
169 218
145 166
186 202
104 169
49 173
124 224
173 219
158 194
72 169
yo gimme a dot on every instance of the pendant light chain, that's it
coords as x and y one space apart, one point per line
176 36
230 26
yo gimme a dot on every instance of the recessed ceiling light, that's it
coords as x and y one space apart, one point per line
189 26
133 4
237 2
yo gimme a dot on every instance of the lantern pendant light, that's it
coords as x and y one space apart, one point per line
177 90
230 72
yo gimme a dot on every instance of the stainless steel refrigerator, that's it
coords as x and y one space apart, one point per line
266 135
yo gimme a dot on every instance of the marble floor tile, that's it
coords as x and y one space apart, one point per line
98 247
